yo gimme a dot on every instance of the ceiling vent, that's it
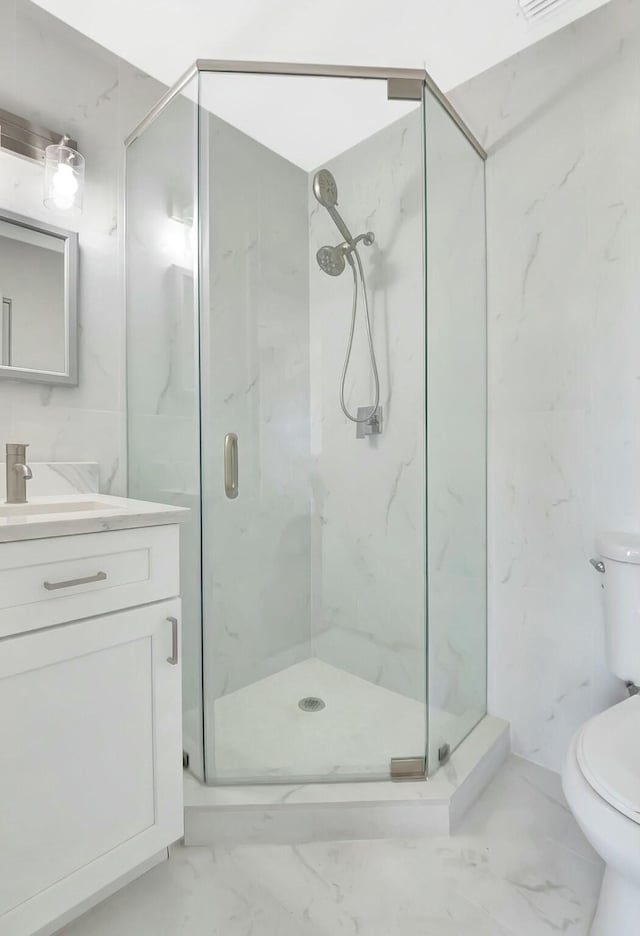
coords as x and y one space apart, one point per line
536 9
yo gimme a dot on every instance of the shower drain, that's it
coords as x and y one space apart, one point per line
311 704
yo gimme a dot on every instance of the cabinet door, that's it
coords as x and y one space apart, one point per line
91 767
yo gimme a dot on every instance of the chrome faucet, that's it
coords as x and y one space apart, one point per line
18 473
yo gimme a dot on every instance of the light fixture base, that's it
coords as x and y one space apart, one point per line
27 139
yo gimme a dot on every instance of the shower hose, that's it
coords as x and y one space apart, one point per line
354 308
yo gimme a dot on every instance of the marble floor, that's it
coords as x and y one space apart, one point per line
518 866
260 731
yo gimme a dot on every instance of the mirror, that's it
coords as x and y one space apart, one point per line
38 287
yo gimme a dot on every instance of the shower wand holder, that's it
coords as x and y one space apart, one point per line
370 426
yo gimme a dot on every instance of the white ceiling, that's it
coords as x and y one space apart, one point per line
453 39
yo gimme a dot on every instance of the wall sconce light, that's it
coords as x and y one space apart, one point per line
63 177
63 164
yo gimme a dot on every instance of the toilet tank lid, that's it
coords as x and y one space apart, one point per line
623 547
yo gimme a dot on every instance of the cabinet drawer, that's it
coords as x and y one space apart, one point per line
53 581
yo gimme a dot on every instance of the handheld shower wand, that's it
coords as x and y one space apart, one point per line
332 260
326 192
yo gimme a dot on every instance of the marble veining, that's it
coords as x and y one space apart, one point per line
59 478
456 430
489 740
97 98
563 205
323 553
367 521
368 530
518 866
256 384
296 813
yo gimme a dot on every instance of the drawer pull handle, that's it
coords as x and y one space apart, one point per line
98 577
173 659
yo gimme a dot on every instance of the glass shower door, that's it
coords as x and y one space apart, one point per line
163 430
314 526
457 427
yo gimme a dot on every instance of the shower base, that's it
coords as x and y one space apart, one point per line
262 731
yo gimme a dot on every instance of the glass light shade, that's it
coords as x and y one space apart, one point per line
63 178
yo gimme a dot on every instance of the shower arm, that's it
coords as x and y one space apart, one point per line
348 247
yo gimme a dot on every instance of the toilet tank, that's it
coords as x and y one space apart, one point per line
620 553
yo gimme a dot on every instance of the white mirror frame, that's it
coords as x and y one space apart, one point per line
69 376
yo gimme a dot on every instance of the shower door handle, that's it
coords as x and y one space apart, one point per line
231 465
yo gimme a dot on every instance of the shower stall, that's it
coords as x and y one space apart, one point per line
306 370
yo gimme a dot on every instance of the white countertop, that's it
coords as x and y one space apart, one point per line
102 513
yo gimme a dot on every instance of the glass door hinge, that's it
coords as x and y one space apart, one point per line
408 768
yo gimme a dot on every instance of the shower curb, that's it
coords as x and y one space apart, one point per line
305 812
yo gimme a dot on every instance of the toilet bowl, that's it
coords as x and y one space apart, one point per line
601 773
601 782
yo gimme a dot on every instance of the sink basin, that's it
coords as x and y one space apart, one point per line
52 507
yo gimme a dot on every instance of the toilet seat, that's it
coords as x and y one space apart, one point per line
608 753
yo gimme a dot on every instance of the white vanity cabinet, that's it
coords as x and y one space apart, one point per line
90 718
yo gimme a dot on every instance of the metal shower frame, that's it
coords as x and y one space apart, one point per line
399 82
402 84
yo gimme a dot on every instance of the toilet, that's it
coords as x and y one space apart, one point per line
601 773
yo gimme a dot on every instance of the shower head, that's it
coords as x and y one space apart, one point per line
331 260
325 188
326 192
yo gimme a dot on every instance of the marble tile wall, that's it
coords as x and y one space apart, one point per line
162 360
162 370
53 478
368 533
255 383
456 431
562 124
369 521
324 552
57 77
